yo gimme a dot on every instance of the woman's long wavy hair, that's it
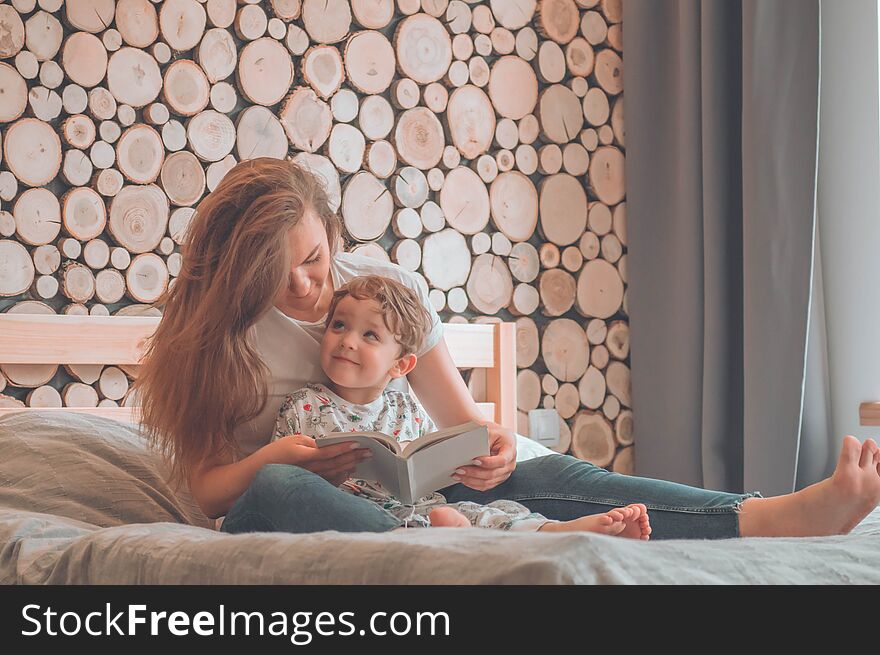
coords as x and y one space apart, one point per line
201 375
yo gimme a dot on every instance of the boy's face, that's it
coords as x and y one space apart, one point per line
358 350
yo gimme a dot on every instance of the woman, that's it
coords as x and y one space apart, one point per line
242 326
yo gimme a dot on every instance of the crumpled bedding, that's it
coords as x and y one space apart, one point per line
83 501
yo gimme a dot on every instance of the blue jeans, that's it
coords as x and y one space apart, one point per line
286 498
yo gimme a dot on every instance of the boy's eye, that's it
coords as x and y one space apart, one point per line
315 260
337 324
374 335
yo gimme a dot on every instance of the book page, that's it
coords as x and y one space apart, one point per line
410 447
431 468
364 438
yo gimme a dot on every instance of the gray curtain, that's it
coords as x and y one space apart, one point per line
721 117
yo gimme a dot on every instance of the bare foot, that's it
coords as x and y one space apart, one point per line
833 506
448 517
630 522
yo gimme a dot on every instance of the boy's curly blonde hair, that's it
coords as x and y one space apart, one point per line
402 311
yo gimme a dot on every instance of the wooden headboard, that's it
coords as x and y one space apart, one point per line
112 340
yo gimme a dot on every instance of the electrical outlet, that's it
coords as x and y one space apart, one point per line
544 426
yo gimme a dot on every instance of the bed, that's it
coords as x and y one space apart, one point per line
84 501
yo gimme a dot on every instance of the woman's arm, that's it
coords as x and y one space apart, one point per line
217 484
445 396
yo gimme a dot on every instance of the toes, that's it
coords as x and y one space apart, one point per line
867 454
850 451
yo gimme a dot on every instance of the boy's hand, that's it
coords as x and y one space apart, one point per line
334 463
495 468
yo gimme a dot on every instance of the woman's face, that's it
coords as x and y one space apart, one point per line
309 266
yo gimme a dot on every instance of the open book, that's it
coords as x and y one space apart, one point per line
415 468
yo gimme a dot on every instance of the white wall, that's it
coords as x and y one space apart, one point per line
849 219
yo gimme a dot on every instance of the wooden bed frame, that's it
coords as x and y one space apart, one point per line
108 340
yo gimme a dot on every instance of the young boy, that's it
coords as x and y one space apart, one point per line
373 327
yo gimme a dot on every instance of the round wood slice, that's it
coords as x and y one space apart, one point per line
600 357
551 62
7 224
617 124
14 91
185 88
85 373
183 178
590 139
120 258
96 254
514 205
606 176
326 21
623 428
372 250
43 34
174 135
306 119
259 134
591 388
139 217
251 22
526 159
369 62
446 260
611 408
489 286
47 259
217 55
44 287
608 71
528 390
458 17
557 19
563 207
624 462
109 286
367 207
265 71
77 394
102 104
592 438
32 151
423 47
565 349
371 14
406 223
16 268
462 47
37 215
513 87
619 222
432 216
84 59
617 375
593 27
506 134
471 121
322 69
572 259
112 384
523 262
140 154
612 10
611 248
376 117
346 147
418 137
579 57
326 172
597 330
465 201
410 187
109 182
211 135
525 300
500 244
527 43
599 218
137 22
146 278
560 114
133 77
404 93
549 256
567 400
407 254
596 108
380 158
513 14
550 159
69 248
557 290
182 23
13 29
599 289
77 167
78 282
44 396
344 105
527 342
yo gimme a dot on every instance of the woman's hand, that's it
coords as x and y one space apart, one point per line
334 463
495 468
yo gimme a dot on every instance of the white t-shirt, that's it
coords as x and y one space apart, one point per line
292 348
